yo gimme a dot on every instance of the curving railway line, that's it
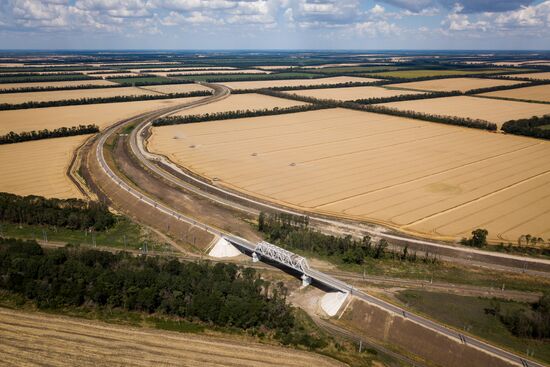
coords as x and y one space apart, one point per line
151 162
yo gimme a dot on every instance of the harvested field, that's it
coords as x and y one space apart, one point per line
39 167
179 68
535 93
430 179
330 65
17 98
175 88
72 83
102 114
249 101
452 84
30 339
352 93
534 76
296 82
493 110
429 73
274 67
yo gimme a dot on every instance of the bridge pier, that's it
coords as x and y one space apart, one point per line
255 257
306 280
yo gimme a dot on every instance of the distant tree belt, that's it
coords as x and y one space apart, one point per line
218 294
53 88
449 120
44 78
139 83
249 77
177 120
529 127
67 213
316 86
12 137
407 97
84 101
506 87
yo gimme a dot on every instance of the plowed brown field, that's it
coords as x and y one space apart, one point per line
493 110
451 84
39 167
37 339
431 179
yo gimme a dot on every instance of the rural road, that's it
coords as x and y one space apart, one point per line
220 93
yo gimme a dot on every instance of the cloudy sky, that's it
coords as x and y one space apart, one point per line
274 24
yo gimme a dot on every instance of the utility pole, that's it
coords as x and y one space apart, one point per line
124 242
44 235
360 345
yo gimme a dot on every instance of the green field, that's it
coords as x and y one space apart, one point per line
250 77
125 234
472 315
409 74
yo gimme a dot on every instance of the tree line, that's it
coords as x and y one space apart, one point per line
529 127
506 87
406 97
449 120
143 81
241 77
67 213
317 86
13 137
177 120
224 295
84 101
56 88
44 78
293 232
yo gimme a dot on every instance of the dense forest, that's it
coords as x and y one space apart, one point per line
176 120
294 233
68 213
222 294
84 101
537 127
12 137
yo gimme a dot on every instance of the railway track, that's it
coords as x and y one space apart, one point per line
145 157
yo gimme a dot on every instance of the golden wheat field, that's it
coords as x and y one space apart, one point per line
37 339
176 88
71 83
452 84
113 75
248 101
493 110
351 93
102 114
296 82
431 179
535 76
534 93
39 167
16 98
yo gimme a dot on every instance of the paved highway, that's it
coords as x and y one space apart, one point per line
316 275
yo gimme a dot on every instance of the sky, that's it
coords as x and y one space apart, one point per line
275 24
